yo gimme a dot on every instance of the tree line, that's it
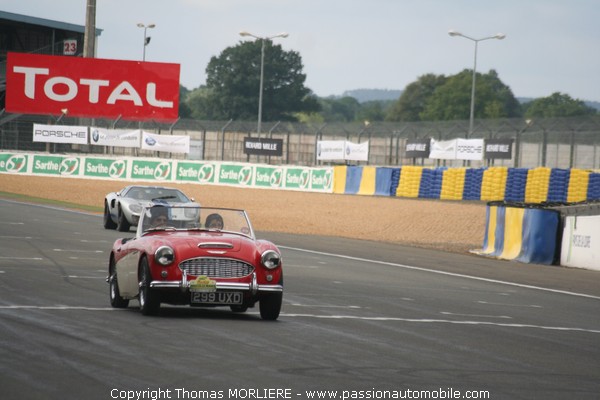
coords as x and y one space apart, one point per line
233 79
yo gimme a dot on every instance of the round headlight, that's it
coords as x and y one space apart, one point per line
135 208
164 255
271 259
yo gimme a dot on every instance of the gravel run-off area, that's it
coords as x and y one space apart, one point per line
455 226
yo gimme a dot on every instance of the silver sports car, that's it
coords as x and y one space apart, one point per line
122 209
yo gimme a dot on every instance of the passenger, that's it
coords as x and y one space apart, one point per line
214 221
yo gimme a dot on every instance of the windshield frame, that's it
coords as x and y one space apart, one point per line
236 220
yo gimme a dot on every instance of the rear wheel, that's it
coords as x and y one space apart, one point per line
108 222
122 224
149 300
115 296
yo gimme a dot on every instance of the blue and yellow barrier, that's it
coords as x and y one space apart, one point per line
518 185
527 235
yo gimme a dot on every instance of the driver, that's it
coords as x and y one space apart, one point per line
159 217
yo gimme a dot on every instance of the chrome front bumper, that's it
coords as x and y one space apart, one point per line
252 287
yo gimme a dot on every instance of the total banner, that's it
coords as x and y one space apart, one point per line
168 143
91 87
115 137
60 134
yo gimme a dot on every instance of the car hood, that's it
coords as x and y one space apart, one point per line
211 242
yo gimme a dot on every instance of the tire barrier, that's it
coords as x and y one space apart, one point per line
522 185
523 221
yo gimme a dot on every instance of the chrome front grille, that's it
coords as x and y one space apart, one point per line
216 267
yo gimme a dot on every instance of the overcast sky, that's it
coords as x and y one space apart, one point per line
550 45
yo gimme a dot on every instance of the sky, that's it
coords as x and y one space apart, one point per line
550 45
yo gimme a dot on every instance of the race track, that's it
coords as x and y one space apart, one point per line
360 320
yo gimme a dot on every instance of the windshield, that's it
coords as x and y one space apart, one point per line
157 193
168 217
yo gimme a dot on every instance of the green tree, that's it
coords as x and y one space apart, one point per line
184 109
557 105
197 102
233 81
452 100
414 98
372 111
342 109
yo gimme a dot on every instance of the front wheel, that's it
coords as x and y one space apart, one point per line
270 305
148 298
122 224
116 300
108 222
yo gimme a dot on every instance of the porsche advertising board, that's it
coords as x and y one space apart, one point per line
91 87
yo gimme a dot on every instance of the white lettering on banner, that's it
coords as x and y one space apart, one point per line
146 170
99 168
30 74
497 148
122 91
188 172
416 147
261 145
47 166
94 88
59 80
263 177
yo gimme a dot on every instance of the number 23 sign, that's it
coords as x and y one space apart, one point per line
70 47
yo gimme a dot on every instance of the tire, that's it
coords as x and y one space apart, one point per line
116 300
108 222
270 305
148 298
122 224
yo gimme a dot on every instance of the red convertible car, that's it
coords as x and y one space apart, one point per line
197 256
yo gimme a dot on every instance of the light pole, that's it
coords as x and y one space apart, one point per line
146 38
262 69
498 36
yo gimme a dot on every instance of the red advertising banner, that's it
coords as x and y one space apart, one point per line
91 87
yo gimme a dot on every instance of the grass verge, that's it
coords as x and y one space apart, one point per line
39 200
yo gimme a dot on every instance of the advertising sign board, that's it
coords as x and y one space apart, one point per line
91 87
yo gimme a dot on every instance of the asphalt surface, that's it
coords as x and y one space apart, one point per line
359 320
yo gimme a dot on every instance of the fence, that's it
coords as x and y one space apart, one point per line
548 142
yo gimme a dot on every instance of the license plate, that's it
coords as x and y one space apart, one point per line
227 298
